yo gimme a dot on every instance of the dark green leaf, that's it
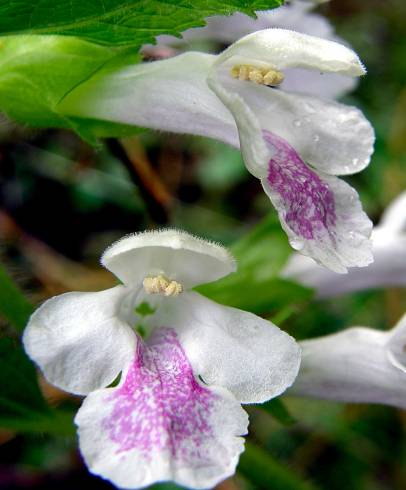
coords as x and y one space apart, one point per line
267 473
22 406
20 394
14 306
255 286
120 22
56 422
259 296
264 249
278 410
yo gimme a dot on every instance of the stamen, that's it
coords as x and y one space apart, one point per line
161 285
261 75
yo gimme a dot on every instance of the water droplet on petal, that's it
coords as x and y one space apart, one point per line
297 123
355 161
346 168
297 244
316 138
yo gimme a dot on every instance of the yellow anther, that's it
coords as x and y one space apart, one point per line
161 285
260 75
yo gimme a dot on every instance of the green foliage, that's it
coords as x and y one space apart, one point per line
266 473
14 306
278 410
119 22
22 406
37 72
255 286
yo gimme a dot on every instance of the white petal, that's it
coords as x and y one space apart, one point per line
321 214
253 147
394 217
176 254
387 270
169 95
161 423
79 341
228 347
325 85
396 345
356 365
173 95
294 16
283 49
333 137
228 29
351 366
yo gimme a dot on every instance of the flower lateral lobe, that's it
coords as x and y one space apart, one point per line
162 422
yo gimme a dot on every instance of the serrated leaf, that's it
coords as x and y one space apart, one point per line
119 22
14 306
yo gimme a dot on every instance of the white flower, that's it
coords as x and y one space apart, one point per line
387 270
359 365
295 16
226 97
176 413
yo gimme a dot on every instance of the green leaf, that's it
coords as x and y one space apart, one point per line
266 473
14 306
37 72
265 248
255 286
119 22
55 422
278 410
260 296
22 406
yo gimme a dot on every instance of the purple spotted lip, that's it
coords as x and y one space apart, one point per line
308 202
161 406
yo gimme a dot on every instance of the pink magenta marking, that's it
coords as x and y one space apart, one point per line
161 405
309 206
